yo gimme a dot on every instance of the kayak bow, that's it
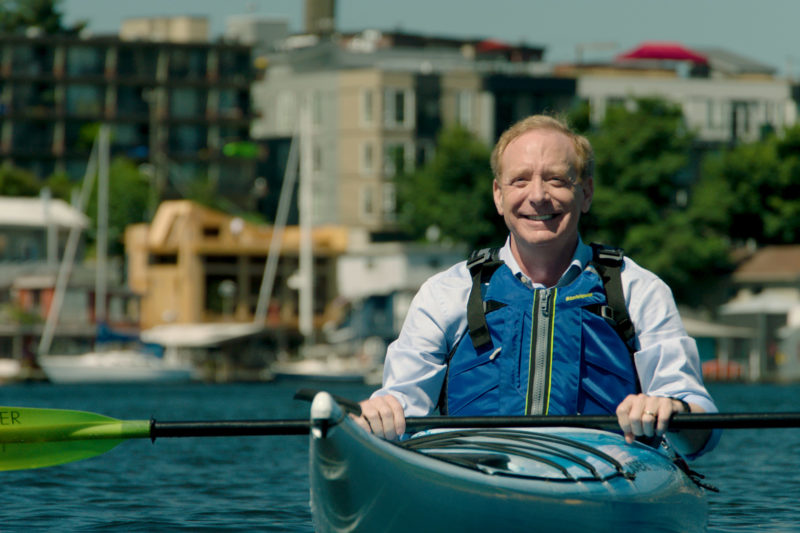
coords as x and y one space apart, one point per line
506 479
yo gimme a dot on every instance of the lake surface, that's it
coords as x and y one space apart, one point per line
261 483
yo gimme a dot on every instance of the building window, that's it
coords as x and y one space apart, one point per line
398 108
232 103
131 101
366 203
317 158
367 157
187 63
186 139
85 61
464 102
137 62
84 100
367 107
398 158
129 135
316 108
234 65
187 103
285 112
389 202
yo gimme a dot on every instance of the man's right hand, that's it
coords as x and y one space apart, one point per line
383 416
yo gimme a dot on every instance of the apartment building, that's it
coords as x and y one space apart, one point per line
725 97
379 100
172 104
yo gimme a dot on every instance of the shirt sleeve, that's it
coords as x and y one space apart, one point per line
667 360
415 364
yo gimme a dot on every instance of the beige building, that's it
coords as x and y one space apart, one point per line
180 29
378 102
195 265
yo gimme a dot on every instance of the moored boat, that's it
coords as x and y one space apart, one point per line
504 479
114 366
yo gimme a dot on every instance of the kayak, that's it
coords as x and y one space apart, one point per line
503 479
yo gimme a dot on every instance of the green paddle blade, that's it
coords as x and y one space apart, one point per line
22 456
33 438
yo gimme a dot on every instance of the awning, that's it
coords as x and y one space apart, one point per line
199 335
767 302
701 328
664 51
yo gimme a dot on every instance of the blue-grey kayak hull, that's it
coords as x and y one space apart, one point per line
559 479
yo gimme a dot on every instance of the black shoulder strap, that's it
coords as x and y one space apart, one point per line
481 265
608 263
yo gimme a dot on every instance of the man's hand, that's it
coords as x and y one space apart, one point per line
640 414
383 416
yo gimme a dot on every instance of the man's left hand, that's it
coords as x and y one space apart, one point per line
643 415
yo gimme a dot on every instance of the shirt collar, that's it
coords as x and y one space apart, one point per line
580 259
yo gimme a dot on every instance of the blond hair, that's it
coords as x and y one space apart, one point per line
584 166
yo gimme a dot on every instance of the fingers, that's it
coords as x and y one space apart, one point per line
643 415
383 416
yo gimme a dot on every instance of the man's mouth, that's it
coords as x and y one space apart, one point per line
541 218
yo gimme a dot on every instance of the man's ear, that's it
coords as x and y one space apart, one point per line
497 193
588 193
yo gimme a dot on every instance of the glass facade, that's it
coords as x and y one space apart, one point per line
137 62
132 101
183 100
86 61
187 63
187 139
187 102
84 100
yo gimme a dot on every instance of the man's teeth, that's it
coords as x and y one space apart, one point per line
540 217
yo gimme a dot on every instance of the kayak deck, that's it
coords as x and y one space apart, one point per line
529 454
553 479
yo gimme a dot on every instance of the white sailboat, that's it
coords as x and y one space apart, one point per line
102 365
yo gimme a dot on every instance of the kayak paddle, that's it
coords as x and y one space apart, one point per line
34 437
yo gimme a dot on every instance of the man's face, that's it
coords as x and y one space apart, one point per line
538 192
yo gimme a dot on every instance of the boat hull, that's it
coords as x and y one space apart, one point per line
113 367
361 483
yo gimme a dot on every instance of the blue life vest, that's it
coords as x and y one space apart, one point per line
544 351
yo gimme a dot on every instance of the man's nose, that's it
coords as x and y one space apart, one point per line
537 191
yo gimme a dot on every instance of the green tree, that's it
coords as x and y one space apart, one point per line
752 192
18 15
640 156
61 186
128 192
643 159
18 182
452 192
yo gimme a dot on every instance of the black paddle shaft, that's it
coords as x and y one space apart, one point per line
301 427
231 428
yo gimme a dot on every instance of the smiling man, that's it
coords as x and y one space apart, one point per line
531 328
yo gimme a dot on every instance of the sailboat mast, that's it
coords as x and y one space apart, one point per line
70 250
102 226
306 253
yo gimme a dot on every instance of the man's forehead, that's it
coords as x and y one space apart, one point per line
558 166
546 142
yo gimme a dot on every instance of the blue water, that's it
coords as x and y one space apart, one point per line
260 483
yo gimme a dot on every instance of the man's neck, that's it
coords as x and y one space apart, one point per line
544 264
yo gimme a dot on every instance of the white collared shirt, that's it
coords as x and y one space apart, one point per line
666 357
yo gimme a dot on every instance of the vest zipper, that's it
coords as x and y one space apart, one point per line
541 351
